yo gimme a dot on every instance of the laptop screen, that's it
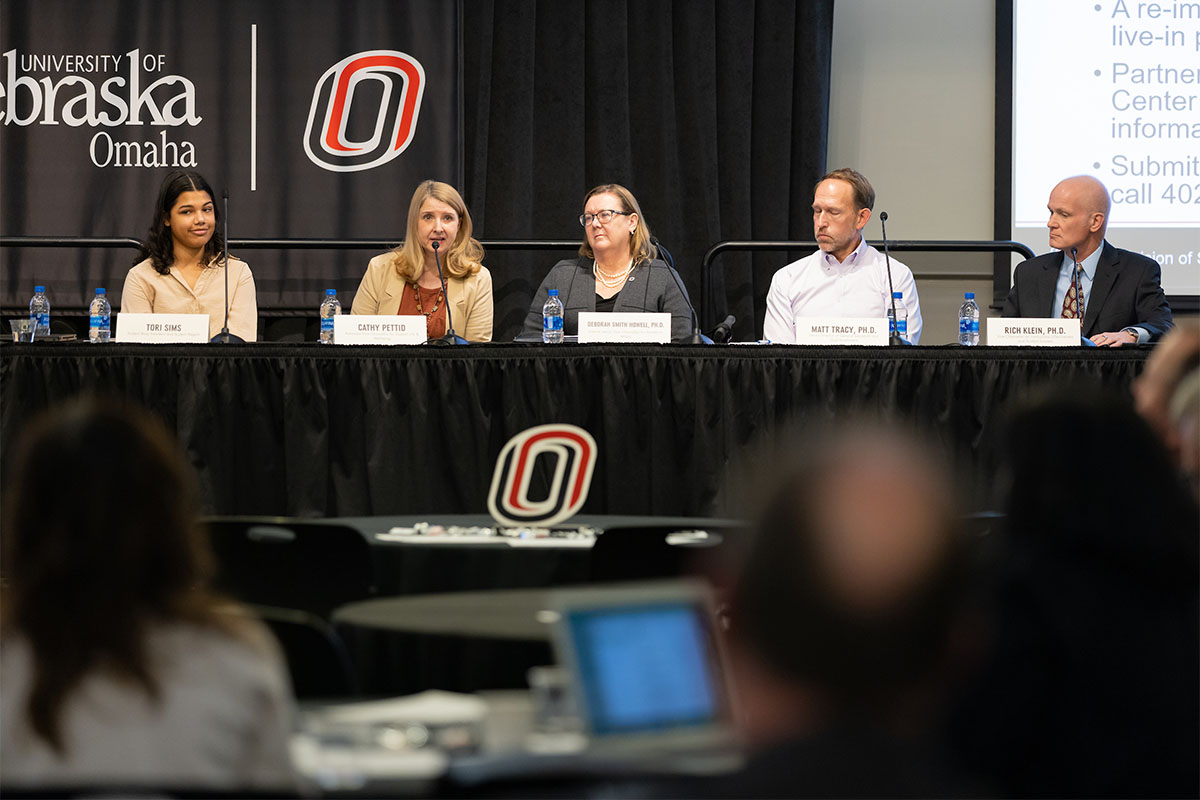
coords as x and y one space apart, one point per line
646 667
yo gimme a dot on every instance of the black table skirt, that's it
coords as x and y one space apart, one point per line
306 430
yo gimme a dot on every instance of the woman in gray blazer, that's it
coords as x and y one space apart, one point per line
617 268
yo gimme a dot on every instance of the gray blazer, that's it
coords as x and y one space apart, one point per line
649 287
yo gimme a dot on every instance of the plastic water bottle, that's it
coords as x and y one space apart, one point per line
39 312
100 313
968 321
899 321
330 308
552 319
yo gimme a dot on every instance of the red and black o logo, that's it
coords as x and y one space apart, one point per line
364 110
565 453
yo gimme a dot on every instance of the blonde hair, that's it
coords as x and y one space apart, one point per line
464 257
639 246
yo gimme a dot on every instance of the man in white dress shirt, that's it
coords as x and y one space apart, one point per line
847 277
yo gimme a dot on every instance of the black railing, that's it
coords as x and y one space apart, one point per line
917 245
538 244
271 244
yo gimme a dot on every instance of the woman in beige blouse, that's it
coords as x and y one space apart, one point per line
405 281
181 268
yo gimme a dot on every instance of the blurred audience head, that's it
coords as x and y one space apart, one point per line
1185 418
1089 476
100 539
846 597
1166 396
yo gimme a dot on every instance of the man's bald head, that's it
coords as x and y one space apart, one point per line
1079 208
1090 191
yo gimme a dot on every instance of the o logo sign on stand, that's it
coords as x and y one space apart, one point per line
574 453
402 79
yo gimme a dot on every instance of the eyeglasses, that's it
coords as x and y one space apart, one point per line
604 216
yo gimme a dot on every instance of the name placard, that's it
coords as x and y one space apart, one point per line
624 326
871 331
1016 332
162 328
379 329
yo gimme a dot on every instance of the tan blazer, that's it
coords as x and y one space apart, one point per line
470 297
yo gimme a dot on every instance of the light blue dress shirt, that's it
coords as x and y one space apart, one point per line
1087 273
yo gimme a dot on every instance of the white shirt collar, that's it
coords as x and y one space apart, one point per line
830 262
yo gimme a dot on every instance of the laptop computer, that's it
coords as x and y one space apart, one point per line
646 668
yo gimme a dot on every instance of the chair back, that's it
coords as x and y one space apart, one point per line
309 565
649 552
317 658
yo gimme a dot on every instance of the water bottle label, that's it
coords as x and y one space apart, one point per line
42 320
326 324
552 323
974 326
964 325
98 322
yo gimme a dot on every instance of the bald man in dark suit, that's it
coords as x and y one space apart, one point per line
1122 297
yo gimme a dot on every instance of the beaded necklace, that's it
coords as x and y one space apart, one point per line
417 294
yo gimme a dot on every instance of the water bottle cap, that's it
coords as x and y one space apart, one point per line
897 295
330 292
100 290
554 292
969 295
39 288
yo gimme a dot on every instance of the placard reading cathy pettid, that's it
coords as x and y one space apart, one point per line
379 329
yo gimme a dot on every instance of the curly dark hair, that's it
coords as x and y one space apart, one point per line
160 247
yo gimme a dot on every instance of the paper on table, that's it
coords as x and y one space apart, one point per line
433 707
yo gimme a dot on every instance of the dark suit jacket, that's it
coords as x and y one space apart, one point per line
1126 292
650 288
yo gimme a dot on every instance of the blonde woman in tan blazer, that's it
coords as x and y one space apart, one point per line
405 281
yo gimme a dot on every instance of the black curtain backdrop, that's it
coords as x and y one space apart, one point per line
56 178
714 113
305 430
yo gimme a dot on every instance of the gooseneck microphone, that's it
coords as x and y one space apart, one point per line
894 329
225 337
697 337
451 337
724 332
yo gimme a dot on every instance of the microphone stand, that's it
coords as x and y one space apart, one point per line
451 337
225 337
697 337
894 339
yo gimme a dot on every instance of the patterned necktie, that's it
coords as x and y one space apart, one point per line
1071 305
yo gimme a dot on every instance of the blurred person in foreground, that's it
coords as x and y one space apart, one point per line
842 618
1167 395
120 667
1092 683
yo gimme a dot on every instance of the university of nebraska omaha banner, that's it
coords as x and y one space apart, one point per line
318 117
